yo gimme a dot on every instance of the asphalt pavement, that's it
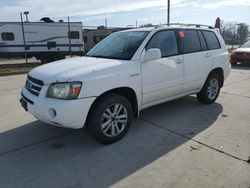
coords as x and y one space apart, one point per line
181 143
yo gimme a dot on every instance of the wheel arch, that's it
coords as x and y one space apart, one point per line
220 72
126 92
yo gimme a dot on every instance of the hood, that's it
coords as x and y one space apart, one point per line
64 70
242 50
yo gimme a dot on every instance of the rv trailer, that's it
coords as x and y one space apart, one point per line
47 41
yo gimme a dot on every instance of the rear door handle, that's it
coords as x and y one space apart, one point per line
207 55
178 61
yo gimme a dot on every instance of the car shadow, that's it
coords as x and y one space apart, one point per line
242 66
39 155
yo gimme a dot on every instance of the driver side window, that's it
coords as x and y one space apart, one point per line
165 41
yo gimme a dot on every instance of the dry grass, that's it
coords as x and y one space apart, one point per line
13 70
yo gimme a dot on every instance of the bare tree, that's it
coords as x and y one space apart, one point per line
146 25
242 32
228 32
234 33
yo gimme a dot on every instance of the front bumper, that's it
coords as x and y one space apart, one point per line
63 113
240 58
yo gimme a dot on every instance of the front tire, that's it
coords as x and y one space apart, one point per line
210 90
110 118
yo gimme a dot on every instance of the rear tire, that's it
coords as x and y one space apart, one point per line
110 118
211 89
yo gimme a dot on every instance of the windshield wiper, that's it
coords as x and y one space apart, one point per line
107 57
97 56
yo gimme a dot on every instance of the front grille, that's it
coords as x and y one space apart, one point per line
33 85
28 100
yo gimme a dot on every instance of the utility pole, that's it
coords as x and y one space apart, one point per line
168 12
106 22
106 26
24 42
69 35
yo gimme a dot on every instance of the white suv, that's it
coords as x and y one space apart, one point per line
126 72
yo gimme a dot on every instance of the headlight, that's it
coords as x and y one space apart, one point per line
66 91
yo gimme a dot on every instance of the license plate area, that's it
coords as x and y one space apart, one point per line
24 104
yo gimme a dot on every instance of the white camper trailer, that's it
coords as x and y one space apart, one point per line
47 41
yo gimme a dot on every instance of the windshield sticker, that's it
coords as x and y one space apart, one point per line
181 34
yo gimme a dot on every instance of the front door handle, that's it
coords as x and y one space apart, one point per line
178 61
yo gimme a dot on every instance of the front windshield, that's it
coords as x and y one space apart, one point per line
246 45
121 45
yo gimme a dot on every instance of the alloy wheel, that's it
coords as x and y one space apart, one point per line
213 88
114 120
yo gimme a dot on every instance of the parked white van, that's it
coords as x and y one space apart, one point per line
125 73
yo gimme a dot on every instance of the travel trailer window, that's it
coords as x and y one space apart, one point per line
98 38
8 36
51 45
74 35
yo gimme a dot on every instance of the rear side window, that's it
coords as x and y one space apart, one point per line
166 42
211 39
189 41
202 40
7 36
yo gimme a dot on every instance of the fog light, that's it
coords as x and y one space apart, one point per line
52 112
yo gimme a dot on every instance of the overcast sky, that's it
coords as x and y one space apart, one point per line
126 12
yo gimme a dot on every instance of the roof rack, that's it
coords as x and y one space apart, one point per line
188 25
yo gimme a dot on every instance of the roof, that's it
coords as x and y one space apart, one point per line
163 27
140 29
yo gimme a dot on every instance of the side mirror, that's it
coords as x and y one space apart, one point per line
152 54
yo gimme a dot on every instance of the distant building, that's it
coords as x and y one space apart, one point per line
92 36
